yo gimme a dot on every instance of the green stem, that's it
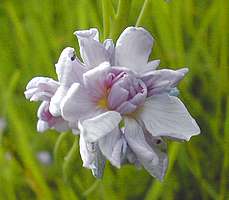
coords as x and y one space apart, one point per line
69 160
143 12
121 19
57 153
106 18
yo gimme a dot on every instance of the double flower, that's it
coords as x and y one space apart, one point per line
117 101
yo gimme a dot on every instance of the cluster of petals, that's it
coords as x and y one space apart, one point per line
119 103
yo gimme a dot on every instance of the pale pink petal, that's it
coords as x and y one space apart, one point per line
133 48
43 108
47 120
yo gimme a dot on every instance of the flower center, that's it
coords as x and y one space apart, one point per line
103 103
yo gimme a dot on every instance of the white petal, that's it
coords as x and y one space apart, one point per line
99 126
165 115
44 106
38 95
152 65
92 157
109 46
92 51
152 160
61 125
76 103
86 155
41 89
92 33
54 107
112 146
156 77
43 82
42 126
160 148
133 48
69 69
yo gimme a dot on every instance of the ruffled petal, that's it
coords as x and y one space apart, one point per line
165 115
76 104
133 49
41 89
160 81
92 51
92 33
99 126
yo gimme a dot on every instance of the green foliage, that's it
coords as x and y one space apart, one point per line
189 33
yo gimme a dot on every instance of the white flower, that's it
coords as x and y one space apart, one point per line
44 157
121 104
126 88
2 124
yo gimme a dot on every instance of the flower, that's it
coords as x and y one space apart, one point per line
128 90
44 157
3 124
122 105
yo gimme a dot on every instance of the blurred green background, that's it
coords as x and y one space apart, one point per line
193 33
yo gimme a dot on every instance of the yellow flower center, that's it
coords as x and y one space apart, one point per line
102 103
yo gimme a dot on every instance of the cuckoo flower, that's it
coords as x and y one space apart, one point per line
123 105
